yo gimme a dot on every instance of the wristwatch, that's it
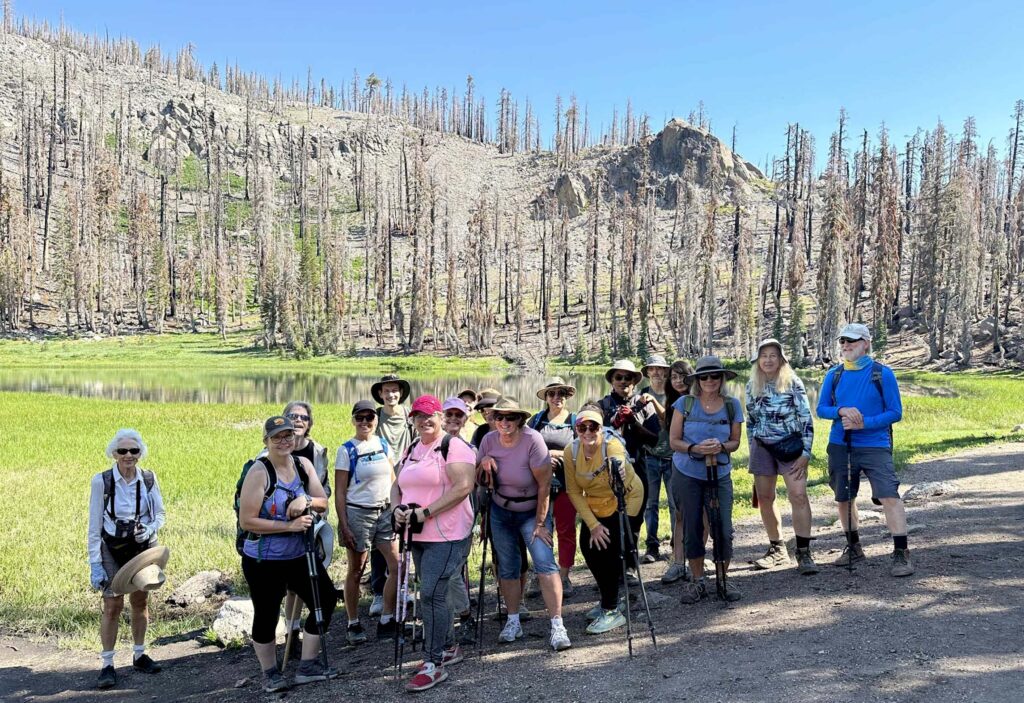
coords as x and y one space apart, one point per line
426 513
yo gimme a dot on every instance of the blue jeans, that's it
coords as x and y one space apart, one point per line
659 470
506 526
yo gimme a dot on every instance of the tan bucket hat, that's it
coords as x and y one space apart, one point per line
554 383
488 397
143 572
624 365
508 405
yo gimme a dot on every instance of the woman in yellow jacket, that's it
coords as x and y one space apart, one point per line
588 483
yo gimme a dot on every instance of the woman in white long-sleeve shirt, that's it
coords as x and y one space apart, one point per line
125 512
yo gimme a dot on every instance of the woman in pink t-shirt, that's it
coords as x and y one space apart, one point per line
433 490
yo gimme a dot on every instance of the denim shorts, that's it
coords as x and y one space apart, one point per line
873 462
506 526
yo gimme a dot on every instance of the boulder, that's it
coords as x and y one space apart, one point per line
928 490
571 194
234 622
681 144
198 588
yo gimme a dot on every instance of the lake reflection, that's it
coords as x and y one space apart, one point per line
168 386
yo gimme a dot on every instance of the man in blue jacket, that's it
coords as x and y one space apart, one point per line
862 399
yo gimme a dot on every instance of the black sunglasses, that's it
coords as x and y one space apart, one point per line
296 416
560 393
847 340
621 377
711 377
364 417
500 417
133 451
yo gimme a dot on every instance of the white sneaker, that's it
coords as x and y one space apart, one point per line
512 631
559 638
377 606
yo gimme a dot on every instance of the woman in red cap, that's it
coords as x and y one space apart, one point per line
432 491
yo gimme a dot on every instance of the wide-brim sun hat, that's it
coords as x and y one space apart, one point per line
656 360
624 365
143 572
708 366
391 378
487 398
770 342
508 405
554 384
323 539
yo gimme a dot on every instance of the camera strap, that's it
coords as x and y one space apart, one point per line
110 497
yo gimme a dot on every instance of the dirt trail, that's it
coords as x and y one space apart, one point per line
951 632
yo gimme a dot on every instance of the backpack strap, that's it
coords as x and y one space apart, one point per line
837 371
445 444
108 492
536 420
730 409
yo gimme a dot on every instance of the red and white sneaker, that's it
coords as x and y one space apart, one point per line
452 656
428 676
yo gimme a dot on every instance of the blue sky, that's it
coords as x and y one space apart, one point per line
759 65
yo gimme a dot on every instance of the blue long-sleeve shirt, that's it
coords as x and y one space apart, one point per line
856 390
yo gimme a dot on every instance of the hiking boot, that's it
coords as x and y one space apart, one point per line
311 670
805 562
467 629
693 592
608 620
844 558
901 564
428 676
732 594
674 572
650 556
355 634
452 656
274 681
146 665
107 678
532 589
524 612
511 632
559 638
777 555
568 590
377 606
387 630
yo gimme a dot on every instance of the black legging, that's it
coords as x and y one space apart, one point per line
605 564
270 579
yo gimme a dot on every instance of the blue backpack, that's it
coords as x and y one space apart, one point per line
354 456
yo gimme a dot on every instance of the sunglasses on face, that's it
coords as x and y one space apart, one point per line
296 416
847 340
620 377
501 417
455 414
587 427
369 417
133 451
712 377
558 394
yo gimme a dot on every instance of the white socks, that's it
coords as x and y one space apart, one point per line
108 657
557 621
137 650
513 617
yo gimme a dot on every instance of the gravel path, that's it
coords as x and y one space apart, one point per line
950 632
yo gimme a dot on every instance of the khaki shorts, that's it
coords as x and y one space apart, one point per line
370 526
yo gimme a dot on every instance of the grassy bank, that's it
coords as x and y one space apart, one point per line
207 350
54 444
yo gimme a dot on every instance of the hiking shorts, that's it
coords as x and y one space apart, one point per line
111 567
762 463
370 526
873 462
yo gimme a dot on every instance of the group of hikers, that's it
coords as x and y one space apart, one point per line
412 482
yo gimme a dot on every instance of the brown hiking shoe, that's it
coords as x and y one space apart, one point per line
805 563
901 564
777 555
844 558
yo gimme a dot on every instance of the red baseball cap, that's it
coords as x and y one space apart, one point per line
426 404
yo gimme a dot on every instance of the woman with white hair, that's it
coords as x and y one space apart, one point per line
125 512
780 431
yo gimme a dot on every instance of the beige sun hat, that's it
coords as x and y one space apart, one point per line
143 572
487 397
770 342
508 405
624 365
554 383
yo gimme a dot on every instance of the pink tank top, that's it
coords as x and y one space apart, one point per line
423 479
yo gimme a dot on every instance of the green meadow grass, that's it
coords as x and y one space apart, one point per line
52 445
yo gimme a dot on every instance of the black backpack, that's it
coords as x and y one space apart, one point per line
242 535
445 442
876 381
108 488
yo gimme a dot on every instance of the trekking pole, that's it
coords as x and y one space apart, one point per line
314 578
848 437
485 515
635 554
715 518
401 609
